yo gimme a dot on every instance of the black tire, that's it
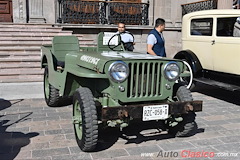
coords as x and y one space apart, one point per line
193 86
85 119
51 94
183 94
188 126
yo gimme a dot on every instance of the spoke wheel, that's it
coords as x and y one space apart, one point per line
85 119
188 81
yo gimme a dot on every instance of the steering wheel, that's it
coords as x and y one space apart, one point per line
120 43
124 46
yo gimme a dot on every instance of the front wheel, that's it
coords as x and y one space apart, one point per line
187 126
85 119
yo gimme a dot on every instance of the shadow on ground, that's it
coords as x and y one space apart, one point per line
137 132
12 141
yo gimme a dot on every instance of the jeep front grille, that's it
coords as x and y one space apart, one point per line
144 79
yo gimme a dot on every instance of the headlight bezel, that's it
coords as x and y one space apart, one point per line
110 71
167 71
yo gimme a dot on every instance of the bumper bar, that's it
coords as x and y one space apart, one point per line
136 111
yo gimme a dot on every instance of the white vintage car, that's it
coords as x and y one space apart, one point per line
211 46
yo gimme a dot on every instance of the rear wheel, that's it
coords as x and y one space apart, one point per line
187 126
51 94
85 119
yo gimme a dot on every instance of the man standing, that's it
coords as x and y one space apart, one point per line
155 40
126 37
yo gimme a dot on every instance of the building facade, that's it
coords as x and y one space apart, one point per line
45 11
55 12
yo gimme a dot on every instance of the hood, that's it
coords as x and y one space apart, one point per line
97 60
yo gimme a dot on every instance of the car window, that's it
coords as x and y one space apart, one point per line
201 27
236 28
226 27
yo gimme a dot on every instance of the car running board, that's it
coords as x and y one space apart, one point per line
218 84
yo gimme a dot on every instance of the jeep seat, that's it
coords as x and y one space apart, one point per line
63 45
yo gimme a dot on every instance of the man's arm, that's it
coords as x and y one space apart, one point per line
149 49
151 40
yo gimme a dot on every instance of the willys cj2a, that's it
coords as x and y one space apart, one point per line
111 86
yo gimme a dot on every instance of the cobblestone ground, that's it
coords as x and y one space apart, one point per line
29 129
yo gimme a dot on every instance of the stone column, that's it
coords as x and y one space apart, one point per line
19 11
49 10
225 4
36 11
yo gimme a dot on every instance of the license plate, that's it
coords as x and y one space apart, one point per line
155 112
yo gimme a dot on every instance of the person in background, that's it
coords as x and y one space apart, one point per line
126 37
155 40
236 29
236 4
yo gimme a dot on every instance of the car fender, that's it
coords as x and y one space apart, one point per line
193 61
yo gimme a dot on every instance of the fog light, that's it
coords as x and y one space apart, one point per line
121 88
168 87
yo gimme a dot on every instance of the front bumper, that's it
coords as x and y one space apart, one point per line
136 111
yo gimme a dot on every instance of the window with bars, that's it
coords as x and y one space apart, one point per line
103 12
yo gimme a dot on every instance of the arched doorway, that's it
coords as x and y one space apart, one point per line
6 11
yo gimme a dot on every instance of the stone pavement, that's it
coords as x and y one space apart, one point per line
11 91
29 129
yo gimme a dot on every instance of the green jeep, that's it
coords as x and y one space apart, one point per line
111 86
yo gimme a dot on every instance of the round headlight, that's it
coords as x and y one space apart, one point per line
118 71
171 71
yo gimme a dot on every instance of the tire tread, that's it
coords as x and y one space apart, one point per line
89 118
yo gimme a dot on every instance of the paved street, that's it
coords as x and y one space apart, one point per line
29 129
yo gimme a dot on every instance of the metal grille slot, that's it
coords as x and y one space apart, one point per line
144 79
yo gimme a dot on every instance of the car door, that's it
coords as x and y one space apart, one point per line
199 40
226 46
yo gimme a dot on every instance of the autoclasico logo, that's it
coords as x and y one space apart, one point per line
186 154
189 154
